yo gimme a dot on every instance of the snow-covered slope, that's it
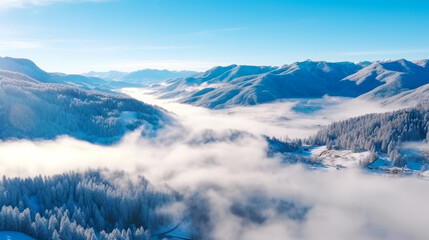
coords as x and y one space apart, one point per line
409 98
30 69
222 87
385 79
33 110
341 158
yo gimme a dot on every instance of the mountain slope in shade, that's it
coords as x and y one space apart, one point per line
385 79
150 76
30 69
143 77
222 87
108 76
33 110
409 98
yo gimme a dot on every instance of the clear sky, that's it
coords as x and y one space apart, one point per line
75 36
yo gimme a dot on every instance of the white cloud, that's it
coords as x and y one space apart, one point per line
122 48
19 45
385 52
6 4
128 66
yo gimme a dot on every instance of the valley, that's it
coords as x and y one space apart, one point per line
253 166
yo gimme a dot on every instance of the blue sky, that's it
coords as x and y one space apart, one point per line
75 36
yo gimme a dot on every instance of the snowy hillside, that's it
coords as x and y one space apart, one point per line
30 69
385 79
342 158
409 98
33 110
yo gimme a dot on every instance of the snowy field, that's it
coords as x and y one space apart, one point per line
7 235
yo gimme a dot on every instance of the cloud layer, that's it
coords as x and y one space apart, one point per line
241 192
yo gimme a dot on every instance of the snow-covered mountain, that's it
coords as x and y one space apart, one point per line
143 77
109 76
30 69
232 85
222 87
30 109
385 79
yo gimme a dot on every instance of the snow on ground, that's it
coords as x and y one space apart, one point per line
339 158
7 235
382 165
382 162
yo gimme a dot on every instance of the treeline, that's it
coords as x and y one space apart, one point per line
381 132
90 205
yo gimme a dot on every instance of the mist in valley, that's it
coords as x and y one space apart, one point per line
232 189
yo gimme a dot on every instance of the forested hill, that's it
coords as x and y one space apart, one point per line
376 132
81 206
33 110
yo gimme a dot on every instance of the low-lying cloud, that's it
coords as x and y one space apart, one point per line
219 158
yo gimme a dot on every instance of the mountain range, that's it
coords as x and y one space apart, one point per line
101 81
30 69
222 87
143 77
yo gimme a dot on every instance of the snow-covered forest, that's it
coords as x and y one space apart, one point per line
89 205
380 132
34 110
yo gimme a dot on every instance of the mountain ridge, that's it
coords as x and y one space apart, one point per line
233 85
142 77
29 68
